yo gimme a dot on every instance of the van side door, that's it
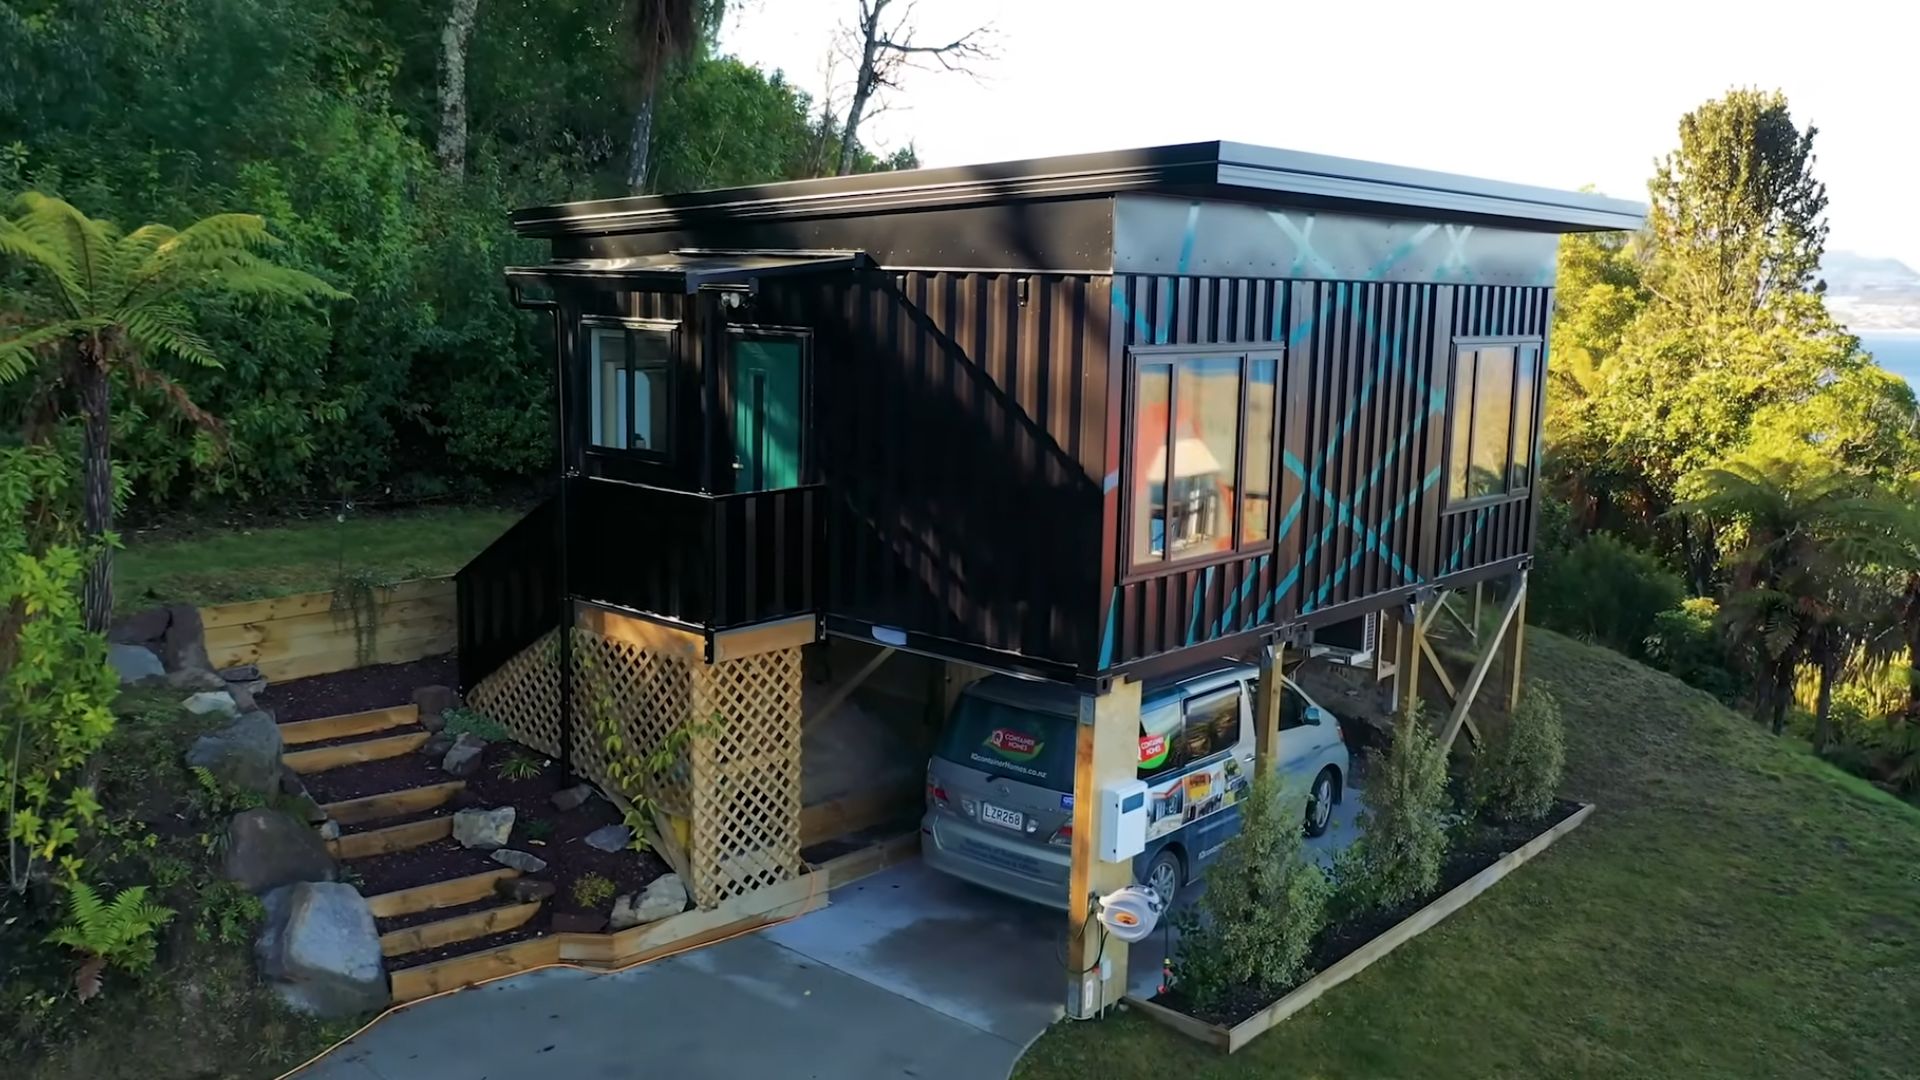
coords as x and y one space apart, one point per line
1213 727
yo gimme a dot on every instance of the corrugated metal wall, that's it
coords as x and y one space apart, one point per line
1362 429
961 424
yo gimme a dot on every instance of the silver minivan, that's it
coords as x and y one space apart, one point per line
1000 783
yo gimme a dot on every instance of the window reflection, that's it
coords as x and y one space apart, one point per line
1256 499
629 399
1150 462
1200 498
1493 424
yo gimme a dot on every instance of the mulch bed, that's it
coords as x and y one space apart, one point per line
357 690
1485 845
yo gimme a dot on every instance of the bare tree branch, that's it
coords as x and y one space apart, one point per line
886 49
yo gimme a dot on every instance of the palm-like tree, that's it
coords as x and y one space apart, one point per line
662 33
104 302
1816 577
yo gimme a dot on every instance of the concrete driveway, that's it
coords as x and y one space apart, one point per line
905 973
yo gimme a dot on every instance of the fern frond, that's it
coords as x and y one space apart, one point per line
86 244
168 329
17 354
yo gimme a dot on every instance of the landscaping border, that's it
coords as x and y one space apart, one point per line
292 637
1233 1038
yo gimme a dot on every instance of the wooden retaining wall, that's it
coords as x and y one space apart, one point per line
292 637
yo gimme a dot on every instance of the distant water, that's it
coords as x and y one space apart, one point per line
1896 350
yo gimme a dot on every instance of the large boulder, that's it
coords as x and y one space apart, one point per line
483 829
267 849
245 754
136 665
432 701
140 627
185 646
321 951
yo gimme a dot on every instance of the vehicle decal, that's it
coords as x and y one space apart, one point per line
1015 745
1179 800
1154 750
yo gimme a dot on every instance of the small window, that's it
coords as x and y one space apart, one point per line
630 396
1293 709
1201 454
1492 431
1173 738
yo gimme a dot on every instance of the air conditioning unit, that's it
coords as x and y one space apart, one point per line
1352 642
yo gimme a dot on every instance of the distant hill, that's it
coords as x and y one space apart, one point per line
1870 293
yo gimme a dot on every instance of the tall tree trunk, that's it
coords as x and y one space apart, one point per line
639 153
454 35
1823 707
97 482
850 133
1782 692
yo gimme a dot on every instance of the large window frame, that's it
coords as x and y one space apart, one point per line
1247 354
1529 353
592 327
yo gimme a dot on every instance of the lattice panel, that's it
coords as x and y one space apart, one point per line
746 795
524 695
637 698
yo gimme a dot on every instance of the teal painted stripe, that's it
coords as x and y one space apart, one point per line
1479 519
1106 638
1199 595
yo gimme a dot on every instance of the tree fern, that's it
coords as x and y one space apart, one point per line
120 932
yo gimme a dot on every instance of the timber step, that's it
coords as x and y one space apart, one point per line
474 924
439 894
392 803
323 758
337 727
425 980
413 834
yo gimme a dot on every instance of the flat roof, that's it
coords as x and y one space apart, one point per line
1218 170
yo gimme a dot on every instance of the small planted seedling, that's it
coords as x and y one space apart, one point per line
591 891
517 767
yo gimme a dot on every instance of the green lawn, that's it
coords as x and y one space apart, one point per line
247 564
1735 909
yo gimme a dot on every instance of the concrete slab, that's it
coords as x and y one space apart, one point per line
745 1007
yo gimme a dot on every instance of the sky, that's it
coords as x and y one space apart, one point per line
1552 93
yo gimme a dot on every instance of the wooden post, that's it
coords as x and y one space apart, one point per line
1412 634
1519 648
1266 708
1471 688
1107 750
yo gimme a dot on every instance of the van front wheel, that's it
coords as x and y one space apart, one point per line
1320 804
1163 876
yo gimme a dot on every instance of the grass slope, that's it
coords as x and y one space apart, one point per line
1735 908
248 564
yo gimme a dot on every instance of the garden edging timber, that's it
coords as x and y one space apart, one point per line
1238 1035
292 637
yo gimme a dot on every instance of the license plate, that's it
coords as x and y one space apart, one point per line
994 815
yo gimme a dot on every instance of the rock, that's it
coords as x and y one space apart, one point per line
464 757
434 700
242 697
207 701
519 860
196 679
578 922
141 627
437 745
572 798
665 896
245 754
522 890
321 951
610 838
136 665
329 830
241 673
484 829
433 722
185 646
267 849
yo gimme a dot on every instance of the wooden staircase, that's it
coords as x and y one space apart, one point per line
401 820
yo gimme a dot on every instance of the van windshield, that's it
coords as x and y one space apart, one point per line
1011 742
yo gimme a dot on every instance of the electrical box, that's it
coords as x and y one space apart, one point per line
1123 821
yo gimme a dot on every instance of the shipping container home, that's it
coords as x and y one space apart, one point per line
1082 419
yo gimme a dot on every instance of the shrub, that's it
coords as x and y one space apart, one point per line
1604 590
592 891
1404 827
1516 775
1263 906
463 721
119 932
1685 643
517 766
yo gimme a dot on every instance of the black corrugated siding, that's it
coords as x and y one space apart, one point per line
1363 427
961 422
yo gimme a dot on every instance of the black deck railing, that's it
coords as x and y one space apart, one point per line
711 561
509 594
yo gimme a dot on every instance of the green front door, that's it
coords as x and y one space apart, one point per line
768 374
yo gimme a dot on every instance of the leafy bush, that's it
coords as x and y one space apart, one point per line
517 766
55 685
1604 590
1517 773
591 891
464 721
1403 837
1263 906
1685 643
